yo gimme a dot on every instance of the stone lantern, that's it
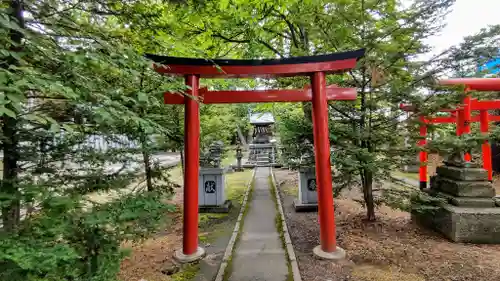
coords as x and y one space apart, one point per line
239 155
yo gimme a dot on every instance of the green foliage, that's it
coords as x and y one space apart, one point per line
74 70
367 135
218 123
295 137
67 242
425 204
70 72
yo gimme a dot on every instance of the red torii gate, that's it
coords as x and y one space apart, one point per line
462 116
316 67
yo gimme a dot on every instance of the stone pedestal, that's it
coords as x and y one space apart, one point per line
211 197
468 212
307 197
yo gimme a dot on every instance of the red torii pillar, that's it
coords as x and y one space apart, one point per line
486 148
316 67
423 154
191 171
323 166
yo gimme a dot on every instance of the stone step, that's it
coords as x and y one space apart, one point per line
464 188
462 174
473 202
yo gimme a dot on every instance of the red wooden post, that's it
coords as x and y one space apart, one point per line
323 166
467 120
192 155
316 135
423 154
460 118
486 149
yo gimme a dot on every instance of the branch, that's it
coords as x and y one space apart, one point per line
293 32
232 40
41 15
223 55
271 48
276 33
340 111
335 47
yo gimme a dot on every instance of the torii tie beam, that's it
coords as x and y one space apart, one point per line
315 67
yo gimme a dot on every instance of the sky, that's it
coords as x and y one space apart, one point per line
467 17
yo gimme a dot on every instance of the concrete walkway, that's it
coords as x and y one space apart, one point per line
259 255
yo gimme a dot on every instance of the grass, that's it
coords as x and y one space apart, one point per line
230 158
176 174
187 272
236 184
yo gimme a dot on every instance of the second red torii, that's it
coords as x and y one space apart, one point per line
463 117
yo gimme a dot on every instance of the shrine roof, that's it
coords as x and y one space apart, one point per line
236 68
261 118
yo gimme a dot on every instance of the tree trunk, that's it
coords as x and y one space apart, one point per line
366 174
147 164
243 141
368 195
11 209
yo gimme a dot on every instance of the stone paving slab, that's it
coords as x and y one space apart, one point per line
259 255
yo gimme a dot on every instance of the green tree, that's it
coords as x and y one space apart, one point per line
367 134
69 73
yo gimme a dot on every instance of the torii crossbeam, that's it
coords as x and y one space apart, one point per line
333 92
316 67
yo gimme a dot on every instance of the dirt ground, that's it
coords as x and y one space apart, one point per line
391 249
150 257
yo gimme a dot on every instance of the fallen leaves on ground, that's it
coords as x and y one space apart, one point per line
392 248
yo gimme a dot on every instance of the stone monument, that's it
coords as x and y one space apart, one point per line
239 155
211 195
307 200
466 210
